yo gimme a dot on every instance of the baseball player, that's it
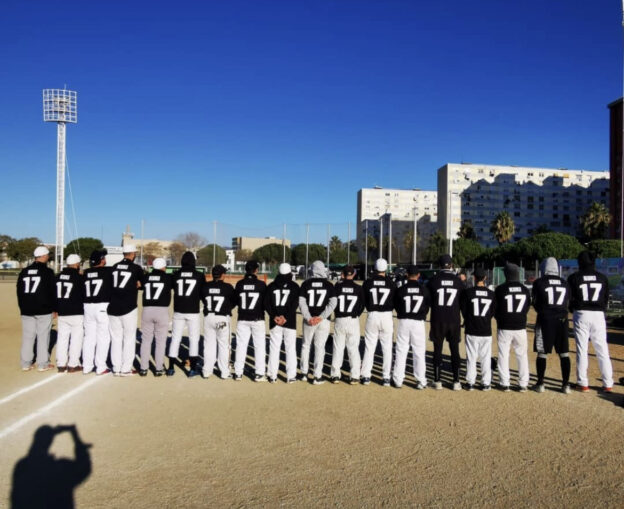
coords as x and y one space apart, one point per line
588 302
70 310
219 300
445 289
411 302
187 291
36 300
157 286
281 301
513 300
123 312
97 294
379 300
478 307
349 307
551 298
250 301
316 302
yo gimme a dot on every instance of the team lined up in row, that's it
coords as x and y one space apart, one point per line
98 309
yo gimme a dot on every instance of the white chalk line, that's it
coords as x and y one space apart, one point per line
29 388
25 420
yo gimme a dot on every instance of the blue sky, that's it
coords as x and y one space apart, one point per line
258 113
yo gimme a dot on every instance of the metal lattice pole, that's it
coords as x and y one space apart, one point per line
60 196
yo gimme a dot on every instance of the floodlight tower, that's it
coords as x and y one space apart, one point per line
60 106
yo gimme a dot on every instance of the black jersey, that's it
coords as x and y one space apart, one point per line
218 297
317 291
69 293
126 277
157 286
282 299
513 300
250 298
379 293
551 296
187 290
349 299
36 293
411 301
589 291
97 285
478 307
445 289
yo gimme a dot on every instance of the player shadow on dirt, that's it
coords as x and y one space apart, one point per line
42 480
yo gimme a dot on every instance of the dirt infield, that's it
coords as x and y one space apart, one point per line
174 442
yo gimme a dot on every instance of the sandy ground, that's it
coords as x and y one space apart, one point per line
198 443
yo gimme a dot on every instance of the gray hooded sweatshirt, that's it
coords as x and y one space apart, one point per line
308 299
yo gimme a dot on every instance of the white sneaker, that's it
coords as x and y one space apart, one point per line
457 386
539 388
437 386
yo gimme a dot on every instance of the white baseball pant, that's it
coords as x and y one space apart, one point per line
96 339
319 334
410 333
479 349
289 337
379 327
70 332
591 326
191 322
123 332
35 327
518 340
346 332
256 330
216 344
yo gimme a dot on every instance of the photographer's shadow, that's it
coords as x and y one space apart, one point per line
42 480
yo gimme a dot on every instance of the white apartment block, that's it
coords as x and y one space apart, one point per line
533 197
377 206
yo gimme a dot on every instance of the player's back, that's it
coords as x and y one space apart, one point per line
187 288
589 291
412 301
97 285
250 298
513 300
316 291
551 296
69 293
478 306
379 293
126 275
157 286
218 298
445 288
282 299
36 290
349 299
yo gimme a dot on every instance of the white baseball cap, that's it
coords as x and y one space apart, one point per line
129 248
41 251
284 268
381 265
73 259
159 263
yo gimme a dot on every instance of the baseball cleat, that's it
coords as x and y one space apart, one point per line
272 380
74 369
354 381
159 372
437 385
192 373
318 381
386 382
132 372
607 389
303 377
457 386
365 381
260 378
238 378
143 372
62 369
291 380
523 388
421 386
170 372
469 387
582 388
565 388
505 388
486 388
47 367
539 388
225 377
205 376
28 368
105 372
335 379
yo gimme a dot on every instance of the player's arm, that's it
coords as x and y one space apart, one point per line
331 303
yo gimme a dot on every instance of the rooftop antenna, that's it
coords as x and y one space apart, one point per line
60 106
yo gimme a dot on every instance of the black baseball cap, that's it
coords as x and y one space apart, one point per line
348 270
251 266
413 270
218 270
479 273
96 256
445 261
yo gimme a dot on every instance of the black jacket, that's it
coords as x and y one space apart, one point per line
36 293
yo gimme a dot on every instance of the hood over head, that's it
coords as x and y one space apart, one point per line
549 267
188 260
512 272
586 260
318 269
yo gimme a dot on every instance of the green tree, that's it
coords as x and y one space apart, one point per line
271 253
605 248
337 250
436 247
204 255
315 252
503 227
21 250
595 221
466 231
5 240
466 251
83 247
243 255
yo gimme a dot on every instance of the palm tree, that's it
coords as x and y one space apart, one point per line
503 227
595 221
466 231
